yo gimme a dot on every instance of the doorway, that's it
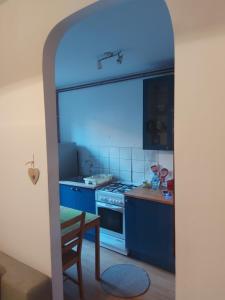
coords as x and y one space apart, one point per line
164 63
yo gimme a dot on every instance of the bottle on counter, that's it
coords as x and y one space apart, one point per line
155 182
170 184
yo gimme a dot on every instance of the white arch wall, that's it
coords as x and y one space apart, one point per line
199 138
199 164
199 146
24 208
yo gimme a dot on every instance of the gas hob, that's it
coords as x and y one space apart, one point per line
118 188
113 193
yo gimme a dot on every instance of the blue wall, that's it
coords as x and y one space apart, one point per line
106 124
109 115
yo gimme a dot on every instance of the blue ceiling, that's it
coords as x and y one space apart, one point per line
142 29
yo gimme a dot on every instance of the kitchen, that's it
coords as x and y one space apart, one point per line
131 165
115 140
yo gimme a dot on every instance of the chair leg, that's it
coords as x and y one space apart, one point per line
80 280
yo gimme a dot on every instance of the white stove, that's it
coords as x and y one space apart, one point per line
110 206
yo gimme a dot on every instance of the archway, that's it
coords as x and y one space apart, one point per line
51 126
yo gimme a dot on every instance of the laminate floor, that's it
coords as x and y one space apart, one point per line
162 283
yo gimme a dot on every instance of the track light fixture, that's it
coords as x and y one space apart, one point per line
110 54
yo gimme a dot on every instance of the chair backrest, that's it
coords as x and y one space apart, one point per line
72 233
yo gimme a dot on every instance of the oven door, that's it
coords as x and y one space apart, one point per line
112 221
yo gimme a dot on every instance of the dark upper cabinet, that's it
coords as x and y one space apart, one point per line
158 112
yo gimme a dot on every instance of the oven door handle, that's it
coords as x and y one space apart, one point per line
110 206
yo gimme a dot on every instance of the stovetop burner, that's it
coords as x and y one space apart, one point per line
118 187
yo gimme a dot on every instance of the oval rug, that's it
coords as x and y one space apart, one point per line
125 281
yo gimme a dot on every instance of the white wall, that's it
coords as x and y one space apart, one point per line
24 208
24 217
199 153
106 123
199 145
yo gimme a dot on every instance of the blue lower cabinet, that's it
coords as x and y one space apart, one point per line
149 232
79 198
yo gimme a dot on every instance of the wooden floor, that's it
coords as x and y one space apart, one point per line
162 283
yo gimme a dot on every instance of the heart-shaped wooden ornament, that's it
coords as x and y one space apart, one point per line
34 174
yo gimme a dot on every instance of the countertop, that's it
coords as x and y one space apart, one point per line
150 195
83 185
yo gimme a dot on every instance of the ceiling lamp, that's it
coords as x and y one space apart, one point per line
110 54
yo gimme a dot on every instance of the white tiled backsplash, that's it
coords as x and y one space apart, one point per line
124 163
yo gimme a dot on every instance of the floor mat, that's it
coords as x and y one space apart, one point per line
125 281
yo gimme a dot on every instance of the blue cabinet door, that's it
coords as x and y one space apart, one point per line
79 198
67 196
149 232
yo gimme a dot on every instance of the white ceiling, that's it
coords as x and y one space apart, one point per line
141 28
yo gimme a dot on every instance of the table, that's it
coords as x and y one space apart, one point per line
91 221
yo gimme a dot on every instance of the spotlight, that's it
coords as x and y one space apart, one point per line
99 65
119 58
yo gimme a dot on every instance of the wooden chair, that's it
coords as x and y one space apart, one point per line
72 236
